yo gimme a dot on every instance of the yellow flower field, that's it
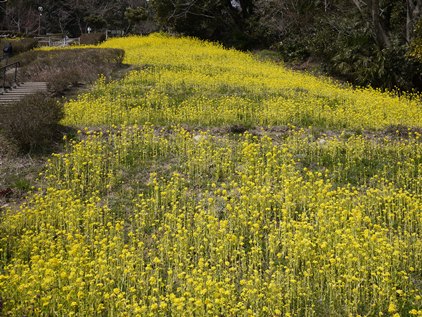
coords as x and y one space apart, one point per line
184 80
153 209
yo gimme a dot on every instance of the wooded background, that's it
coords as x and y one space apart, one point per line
376 42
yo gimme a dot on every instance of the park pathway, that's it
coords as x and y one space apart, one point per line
19 92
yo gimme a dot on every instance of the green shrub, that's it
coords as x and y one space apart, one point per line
92 38
96 21
415 49
32 123
269 55
350 52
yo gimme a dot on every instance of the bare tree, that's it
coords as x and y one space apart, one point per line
278 17
21 15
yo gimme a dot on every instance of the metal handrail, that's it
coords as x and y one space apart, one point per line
3 71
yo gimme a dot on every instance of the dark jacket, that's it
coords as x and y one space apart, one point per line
8 50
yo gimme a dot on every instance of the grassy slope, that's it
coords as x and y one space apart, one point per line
162 221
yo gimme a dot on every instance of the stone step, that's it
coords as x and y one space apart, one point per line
18 93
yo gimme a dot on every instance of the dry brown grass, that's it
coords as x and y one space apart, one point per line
63 69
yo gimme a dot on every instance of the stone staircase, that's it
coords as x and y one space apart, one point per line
17 93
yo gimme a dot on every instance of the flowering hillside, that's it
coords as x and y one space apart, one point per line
155 209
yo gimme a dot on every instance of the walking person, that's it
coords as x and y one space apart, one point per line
7 51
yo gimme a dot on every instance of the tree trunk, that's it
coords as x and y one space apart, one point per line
381 36
372 8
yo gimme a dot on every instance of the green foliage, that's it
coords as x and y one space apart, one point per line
96 21
294 48
269 55
345 42
347 38
415 50
135 15
32 123
349 50
22 184
141 20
